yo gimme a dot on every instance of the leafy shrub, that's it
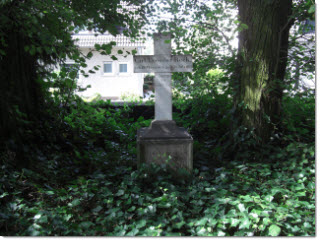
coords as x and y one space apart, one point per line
299 116
86 181
201 97
205 106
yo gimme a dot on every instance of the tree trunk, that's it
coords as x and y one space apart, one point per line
262 58
20 91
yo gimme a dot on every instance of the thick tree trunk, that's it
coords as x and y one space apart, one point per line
19 87
263 49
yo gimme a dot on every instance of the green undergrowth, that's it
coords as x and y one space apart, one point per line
82 179
242 199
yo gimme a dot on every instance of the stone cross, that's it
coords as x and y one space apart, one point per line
162 63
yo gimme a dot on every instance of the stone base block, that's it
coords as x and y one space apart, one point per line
163 141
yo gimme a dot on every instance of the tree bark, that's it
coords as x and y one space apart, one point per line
262 59
19 88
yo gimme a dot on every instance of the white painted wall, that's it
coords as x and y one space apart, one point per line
115 84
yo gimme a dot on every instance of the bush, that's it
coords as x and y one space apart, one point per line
299 116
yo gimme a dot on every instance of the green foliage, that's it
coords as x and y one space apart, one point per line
36 36
299 116
82 179
51 30
206 30
130 97
205 106
87 183
202 99
243 199
63 85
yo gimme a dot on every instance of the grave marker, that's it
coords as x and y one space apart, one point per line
162 63
163 140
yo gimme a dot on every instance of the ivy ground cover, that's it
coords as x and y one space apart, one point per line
241 199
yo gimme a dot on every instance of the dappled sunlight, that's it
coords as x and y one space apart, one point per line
226 149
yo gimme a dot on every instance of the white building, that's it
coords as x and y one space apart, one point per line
115 78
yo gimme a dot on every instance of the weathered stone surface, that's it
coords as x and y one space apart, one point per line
162 43
164 129
163 141
162 63
163 96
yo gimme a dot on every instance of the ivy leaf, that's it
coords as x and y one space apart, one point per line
301 194
201 231
152 208
274 230
120 192
141 224
201 222
247 198
210 189
164 205
86 224
241 207
49 193
3 195
245 223
132 209
179 225
269 198
212 222
234 222
97 209
74 203
133 232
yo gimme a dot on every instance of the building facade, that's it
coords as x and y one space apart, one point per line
115 77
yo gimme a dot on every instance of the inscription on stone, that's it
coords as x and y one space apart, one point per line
163 140
162 63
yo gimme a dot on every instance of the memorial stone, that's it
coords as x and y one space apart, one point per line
163 140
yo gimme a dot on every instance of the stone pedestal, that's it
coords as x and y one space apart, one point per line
162 141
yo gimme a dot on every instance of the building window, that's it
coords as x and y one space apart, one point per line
107 67
123 68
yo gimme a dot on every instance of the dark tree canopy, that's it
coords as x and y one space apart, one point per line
37 34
